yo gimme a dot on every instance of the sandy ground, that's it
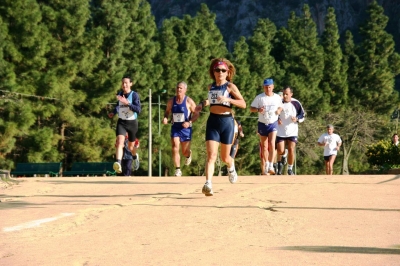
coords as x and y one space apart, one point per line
261 220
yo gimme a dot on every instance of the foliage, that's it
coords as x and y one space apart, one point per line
301 59
334 81
61 64
377 65
383 153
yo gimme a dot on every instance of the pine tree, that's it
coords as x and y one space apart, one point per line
109 26
69 57
334 82
301 59
262 64
141 47
25 41
351 61
243 77
378 64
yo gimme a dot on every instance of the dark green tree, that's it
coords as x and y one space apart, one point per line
334 82
378 64
261 63
301 58
351 60
24 44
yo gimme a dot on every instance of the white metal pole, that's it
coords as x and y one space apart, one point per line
159 133
150 137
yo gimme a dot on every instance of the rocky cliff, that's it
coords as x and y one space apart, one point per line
237 18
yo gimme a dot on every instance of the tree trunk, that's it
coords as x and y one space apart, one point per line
61 147
345 162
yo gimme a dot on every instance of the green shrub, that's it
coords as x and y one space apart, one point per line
383 153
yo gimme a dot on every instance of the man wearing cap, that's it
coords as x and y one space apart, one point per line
331 143
268 105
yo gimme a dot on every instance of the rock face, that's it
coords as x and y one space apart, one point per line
237 18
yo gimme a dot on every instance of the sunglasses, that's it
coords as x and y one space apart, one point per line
219 70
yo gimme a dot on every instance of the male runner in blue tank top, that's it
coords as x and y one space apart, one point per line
182 108
128 107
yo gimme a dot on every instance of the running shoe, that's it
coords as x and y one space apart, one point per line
284 157
266 170
117 167
290 172
178 172
271 171
280 168
136 162
188 160
232 176
207 189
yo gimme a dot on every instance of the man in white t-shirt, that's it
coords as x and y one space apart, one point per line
331 143
288 129
268 105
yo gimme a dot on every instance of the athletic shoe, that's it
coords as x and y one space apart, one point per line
136 162
266 170
290 172
117 167
207 189
232 176
271 171
280 168
178 172
188 160
275 168
284 157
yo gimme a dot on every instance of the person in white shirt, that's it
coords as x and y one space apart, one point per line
288 129
331 143
268 105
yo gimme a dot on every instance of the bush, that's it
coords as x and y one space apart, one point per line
383 154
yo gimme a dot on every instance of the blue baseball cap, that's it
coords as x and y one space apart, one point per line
268 82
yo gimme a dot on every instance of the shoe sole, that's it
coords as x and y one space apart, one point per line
233 181
207 191
116 168
271 172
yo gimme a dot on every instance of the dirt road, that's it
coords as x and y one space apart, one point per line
261 220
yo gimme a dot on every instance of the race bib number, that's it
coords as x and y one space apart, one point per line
213 96
178 117
125 113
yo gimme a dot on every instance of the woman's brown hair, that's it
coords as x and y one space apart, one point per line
231 68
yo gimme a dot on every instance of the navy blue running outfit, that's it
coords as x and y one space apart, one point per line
220 127
180 114
127 115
